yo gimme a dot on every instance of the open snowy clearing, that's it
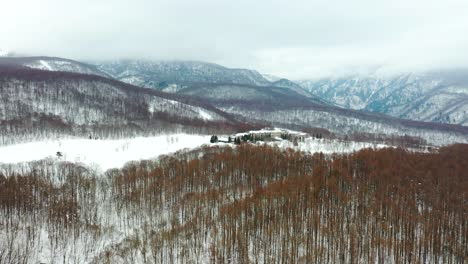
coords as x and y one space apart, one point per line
327 146
107 154
104 154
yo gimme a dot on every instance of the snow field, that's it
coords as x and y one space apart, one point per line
105 154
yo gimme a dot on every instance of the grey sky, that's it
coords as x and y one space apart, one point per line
294 39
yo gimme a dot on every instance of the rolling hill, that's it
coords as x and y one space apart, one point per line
37 104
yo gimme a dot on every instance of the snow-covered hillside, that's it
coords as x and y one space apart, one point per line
160 74
153 211
101 154
54 64
432 96
351 123
43 104
174 76
106 154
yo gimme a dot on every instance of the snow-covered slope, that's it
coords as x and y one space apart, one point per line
43 103
173 76
241 94
159 74
107 154
271 78
285 83
308 143
54 64
343 122
432 96
101 154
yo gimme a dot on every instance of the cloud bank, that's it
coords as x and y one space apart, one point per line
296 39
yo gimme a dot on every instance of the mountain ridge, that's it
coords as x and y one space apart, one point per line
38 103
440 97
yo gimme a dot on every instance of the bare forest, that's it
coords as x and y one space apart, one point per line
249 204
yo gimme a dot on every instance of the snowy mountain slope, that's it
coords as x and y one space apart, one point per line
175 76
432 96
158 74
39 103
285 83
104 154
253 103
284 107
53 64
271 78
171 76
346 122
269 97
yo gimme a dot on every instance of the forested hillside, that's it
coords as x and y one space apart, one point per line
41 104
53 64
250 204
159 74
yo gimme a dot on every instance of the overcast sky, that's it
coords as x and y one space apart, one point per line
294 39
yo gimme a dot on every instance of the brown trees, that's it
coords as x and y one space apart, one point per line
251 204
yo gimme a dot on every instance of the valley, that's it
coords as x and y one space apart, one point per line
190 162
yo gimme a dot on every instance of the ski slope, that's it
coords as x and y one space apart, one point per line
103 154
106 154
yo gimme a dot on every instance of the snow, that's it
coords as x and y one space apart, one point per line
204 115
107 154
45 65
313 145
172 88
4 53
172 102
327 146
103 154
271 78
272 130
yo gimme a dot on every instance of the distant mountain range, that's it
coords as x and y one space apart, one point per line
158 74
247 96
432 96
53 64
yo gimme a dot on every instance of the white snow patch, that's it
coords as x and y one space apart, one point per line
204 115
271 78
45 65
327 146
272 130
4 53
104 154
172 102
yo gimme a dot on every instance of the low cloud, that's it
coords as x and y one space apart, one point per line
295 39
